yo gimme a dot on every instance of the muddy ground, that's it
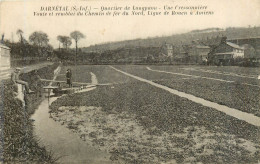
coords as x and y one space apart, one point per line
126 139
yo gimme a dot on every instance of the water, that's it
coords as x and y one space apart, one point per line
63 142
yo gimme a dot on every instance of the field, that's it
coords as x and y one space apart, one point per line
140 123
229 89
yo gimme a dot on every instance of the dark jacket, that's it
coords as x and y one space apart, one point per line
68 75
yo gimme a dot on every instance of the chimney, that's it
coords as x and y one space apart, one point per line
2 40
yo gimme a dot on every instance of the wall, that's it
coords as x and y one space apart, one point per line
4 63
4 58
238 53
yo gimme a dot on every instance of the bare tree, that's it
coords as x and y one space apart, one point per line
76 35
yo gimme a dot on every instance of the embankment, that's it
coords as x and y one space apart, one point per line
18 144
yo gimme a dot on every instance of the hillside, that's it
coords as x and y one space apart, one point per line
205 35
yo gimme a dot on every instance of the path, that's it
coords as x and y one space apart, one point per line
63 142
249 118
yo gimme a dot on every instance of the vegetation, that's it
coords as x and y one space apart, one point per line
143 51
211 36
235 95
39 39
174 128
34 51
19 32
65 41
18 144
128 52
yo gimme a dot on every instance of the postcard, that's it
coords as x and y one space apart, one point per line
98 82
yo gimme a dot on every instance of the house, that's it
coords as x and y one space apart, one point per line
198 53
249 43
180 54
195 52
226 53
4 61
167 49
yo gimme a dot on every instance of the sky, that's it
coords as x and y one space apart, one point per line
99 29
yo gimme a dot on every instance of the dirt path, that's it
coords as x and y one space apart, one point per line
63 142
249 118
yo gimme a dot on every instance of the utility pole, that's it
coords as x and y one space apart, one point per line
76 52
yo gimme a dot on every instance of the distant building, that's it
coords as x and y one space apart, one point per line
167 49
253 42
198 53
4 61
226 53
180 54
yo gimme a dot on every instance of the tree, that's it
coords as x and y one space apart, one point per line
76 35
19 32
39 39
65 41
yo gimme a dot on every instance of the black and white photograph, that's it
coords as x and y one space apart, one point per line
130 82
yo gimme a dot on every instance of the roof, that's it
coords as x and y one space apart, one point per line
234 45
256 37
3 46
247 46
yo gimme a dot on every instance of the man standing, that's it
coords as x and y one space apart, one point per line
69 76
15 79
